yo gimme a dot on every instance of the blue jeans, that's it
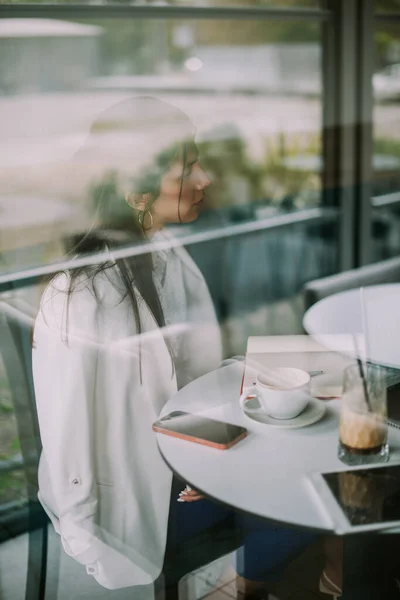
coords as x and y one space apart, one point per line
267 547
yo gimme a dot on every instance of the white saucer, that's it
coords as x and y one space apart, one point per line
312 413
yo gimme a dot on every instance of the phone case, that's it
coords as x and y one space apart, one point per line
189 438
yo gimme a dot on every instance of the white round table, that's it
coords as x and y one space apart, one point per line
377 331
266 473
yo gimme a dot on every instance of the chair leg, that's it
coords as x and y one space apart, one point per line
53 563
172 592
37 564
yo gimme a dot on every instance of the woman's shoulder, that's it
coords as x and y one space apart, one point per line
84 292
65 285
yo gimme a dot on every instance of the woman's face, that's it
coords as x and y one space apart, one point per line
190 176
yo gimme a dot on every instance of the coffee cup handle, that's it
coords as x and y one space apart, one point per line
243 398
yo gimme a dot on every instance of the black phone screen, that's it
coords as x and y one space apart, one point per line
203 428
367 496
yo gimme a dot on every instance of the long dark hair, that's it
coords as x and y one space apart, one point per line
117 223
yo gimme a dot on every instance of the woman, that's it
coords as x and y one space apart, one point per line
112 343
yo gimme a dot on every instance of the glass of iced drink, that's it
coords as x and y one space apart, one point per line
363 416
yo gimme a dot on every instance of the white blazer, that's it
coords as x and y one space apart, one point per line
99 386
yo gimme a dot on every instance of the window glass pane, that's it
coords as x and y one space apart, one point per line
75 166
254 95
386 160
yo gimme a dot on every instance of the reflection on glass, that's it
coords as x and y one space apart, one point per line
255 96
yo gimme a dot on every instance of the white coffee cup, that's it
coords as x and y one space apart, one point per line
283 392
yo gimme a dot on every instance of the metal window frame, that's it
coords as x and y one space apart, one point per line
389 18
364 149
120 11
339 118
386 200
348 70
27 277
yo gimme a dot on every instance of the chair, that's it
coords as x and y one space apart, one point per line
196 552
371 567
15 347
387 271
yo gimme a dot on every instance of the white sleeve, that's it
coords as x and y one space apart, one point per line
65 354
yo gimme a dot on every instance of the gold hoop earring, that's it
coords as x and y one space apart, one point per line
141 217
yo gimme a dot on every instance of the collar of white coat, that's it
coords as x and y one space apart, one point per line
165 242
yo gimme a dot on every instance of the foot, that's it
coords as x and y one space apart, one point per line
330 583
332 575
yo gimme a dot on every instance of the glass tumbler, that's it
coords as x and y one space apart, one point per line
363 430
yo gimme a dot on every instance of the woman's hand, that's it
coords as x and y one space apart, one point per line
189 495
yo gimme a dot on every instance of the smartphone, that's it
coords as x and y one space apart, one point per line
358 500
199 429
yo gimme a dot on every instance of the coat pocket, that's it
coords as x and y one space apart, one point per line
108 509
